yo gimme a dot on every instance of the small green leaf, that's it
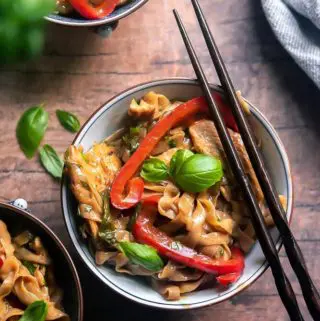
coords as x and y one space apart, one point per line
172 143
31 128
198 173
30 266
154 170
51 161
142 254
68 121
179 157
36 311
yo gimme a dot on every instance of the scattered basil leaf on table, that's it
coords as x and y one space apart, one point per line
30 266
179 157
22 28
51 161
143 255
154 170
36 311
197 173
31 128
68 121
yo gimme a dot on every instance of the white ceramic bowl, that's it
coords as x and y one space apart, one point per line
109 118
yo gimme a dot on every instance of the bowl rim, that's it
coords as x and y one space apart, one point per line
98 22
179 306
60 245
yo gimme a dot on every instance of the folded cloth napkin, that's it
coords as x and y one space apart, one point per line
296 24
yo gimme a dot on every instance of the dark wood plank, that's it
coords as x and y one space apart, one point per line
80 70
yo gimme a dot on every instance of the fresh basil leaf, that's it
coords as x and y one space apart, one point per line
51 161
30 266
179 157
36 311
142 254
154 170
68 121
198 173
31 128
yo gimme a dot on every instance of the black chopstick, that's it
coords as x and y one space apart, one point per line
283 285
310 293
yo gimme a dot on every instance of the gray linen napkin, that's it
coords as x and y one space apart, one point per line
296 24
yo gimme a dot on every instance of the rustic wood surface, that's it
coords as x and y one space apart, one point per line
80 70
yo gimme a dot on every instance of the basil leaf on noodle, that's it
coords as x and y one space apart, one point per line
198 173
36 311
154 170
51 161
143 255
31 128
179 157
30 266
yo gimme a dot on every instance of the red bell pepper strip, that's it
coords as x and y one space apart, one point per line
144 232
89 10
182 112
1 262
227 279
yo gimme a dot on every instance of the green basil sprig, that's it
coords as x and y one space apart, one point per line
178 158
36 311
31 129
68 121
51 161
154 170
143 255
196 173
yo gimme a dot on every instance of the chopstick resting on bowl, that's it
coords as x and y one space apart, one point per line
284 287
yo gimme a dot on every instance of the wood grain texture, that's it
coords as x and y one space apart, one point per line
80 70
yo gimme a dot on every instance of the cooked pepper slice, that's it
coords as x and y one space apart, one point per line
89 10
182 112
227 279
146 233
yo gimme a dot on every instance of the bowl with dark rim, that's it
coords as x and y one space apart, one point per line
110 117
20 219
78 21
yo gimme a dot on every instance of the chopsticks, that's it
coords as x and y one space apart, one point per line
285 290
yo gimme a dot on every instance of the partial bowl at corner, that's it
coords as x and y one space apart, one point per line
65 272
119 13
110 117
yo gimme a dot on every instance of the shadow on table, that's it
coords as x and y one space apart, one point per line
290 77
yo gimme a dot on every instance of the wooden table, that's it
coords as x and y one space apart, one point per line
80 70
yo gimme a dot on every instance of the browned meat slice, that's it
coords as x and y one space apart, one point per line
237 141
205 138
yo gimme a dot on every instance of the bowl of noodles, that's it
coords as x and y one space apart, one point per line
38 280
151 204
81 13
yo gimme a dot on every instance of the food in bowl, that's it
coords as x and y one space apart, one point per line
90 9
158 199
27 278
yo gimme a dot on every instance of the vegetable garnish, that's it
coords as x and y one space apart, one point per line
143 255
31 128
146 233
89 10
179 157
22 28
124 177
196 173
154 170
68 121
30 266
36 311
51 161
